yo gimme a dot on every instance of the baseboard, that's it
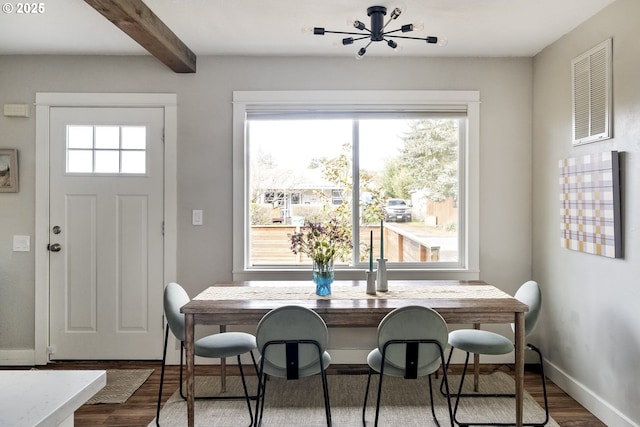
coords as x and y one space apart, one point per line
17 357
594 403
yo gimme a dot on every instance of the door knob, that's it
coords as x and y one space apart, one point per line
55 247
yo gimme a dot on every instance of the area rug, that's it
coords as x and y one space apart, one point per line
121 384
300 403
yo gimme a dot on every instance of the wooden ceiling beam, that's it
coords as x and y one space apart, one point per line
141 24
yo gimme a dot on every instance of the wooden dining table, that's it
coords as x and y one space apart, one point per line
457 301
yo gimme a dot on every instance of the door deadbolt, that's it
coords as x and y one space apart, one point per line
56 229
55 247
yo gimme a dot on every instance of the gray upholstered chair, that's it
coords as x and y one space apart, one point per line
411 342
479 341
225 344
292 342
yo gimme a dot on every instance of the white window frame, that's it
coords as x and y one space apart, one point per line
245 101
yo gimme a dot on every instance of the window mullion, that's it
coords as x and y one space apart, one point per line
355 192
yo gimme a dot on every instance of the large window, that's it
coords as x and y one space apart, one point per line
396 168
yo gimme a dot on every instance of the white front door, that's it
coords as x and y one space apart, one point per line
106 233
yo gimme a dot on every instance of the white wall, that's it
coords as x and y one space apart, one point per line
590 326
205 153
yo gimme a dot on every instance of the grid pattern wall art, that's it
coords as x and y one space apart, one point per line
590 204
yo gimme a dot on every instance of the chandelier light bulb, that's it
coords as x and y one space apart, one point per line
307 30
418 26
406 28
442 41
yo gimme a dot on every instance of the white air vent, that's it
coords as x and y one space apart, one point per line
591 77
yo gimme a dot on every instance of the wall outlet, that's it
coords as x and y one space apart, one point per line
196 217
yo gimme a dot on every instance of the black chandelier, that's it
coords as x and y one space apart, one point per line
377 31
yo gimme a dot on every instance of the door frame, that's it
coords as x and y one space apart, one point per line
44 102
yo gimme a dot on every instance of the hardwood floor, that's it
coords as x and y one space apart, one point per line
140 409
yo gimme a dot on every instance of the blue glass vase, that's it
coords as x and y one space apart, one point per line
323 277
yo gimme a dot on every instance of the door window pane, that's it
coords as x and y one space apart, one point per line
107 161
134 137
107 137
134 161
80 161
80 136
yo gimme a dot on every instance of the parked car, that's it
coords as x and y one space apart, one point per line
397 210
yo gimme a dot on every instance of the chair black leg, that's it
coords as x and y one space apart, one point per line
544 391
448 393
433 410
255 365
181 363
246 392
325 390
375 423
164 359
366 396
464 371
262 379
445 368
544 383
262 386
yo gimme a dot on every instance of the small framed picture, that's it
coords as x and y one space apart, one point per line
8 170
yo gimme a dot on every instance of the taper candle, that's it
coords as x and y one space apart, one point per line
371 251
381 239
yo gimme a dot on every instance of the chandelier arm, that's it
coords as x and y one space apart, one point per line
363 50
362 38
391 18
349 33
405 37
388 22
392 31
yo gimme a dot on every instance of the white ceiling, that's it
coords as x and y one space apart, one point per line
273 27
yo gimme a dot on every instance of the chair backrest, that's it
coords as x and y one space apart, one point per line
174 298
530 294
412 323
292 323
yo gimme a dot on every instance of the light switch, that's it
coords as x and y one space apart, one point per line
196 217
21 243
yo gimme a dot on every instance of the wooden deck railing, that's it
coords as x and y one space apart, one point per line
270 244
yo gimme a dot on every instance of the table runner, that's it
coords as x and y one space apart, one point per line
345 292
